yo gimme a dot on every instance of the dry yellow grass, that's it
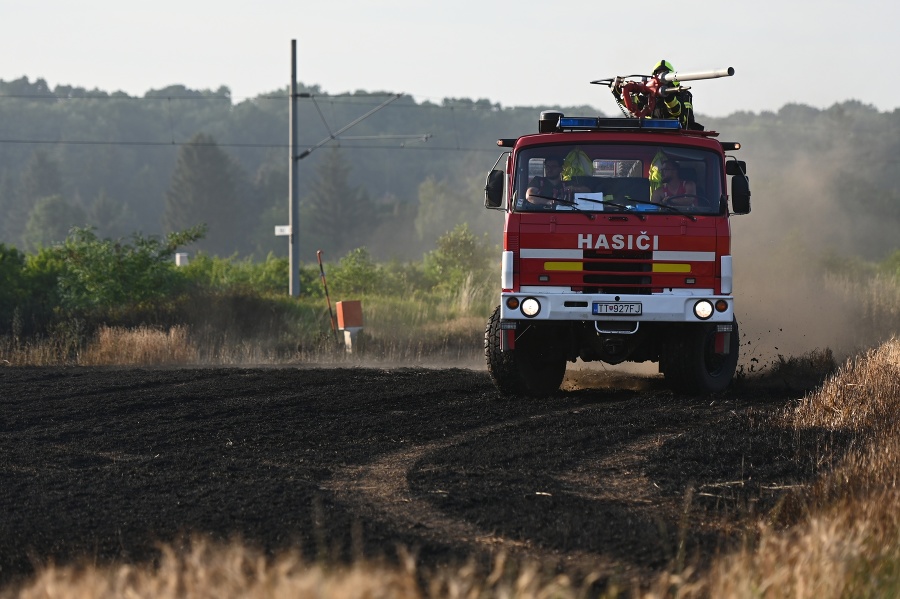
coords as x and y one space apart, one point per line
216 571
34 353
111 346
142 346
846 542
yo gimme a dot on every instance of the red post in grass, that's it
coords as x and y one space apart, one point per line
328 299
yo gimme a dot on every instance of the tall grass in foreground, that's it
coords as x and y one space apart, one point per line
844 538
874 301
838 538
218 571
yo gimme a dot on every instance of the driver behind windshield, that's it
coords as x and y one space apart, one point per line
542 191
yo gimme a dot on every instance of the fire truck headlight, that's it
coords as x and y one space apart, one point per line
530 307
703 309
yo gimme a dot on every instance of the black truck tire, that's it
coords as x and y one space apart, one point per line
535 368
500 364
691 365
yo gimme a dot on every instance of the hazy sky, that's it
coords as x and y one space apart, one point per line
515 52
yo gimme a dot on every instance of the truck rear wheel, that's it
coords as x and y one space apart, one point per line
691 364
535 367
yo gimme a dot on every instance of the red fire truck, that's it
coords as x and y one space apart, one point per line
603 262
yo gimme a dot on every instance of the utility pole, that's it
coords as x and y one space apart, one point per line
293 191
293 229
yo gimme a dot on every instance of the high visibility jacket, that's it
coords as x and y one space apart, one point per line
677 106
576 164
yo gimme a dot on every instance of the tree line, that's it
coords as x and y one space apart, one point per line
177 158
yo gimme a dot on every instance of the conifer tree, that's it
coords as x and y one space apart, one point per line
50 222
207 188
41 178
336 217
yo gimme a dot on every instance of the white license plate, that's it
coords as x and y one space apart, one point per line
617 308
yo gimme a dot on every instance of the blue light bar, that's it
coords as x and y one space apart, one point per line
578 122
661 124
593 123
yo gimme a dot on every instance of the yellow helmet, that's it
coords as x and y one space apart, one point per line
663 64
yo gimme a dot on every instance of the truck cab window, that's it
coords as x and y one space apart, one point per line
618 178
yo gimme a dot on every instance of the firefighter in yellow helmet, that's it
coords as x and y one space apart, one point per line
674 105
678 105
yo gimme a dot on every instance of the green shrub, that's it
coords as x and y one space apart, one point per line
13 287
356 274
42 274
404 279
459 259
102 275
270 277
69 290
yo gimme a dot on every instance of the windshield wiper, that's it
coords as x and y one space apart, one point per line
665 206
571 203
616 204
628 208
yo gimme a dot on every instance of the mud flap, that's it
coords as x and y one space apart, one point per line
723 339
507 336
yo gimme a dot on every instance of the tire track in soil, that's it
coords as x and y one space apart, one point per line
380 491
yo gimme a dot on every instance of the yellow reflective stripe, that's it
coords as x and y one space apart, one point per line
675 107
563 266
671 267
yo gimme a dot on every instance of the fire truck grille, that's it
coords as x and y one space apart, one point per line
621 272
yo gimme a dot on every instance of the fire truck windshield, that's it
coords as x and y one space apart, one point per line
603 177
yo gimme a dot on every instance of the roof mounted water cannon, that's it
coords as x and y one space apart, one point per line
700 75
636 95
670 77
667 77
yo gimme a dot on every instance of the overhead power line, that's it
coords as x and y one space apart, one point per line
343 140
134 143
345 99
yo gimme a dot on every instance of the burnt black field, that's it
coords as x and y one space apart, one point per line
102 465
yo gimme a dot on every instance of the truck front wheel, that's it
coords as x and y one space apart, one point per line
690 362
535 367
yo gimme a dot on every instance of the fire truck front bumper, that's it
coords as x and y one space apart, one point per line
686 306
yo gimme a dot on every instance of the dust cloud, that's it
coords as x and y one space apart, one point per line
785 301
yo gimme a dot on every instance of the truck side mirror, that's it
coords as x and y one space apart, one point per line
493 189
740 194
735 167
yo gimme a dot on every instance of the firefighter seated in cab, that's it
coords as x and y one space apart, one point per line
544 192
674 191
